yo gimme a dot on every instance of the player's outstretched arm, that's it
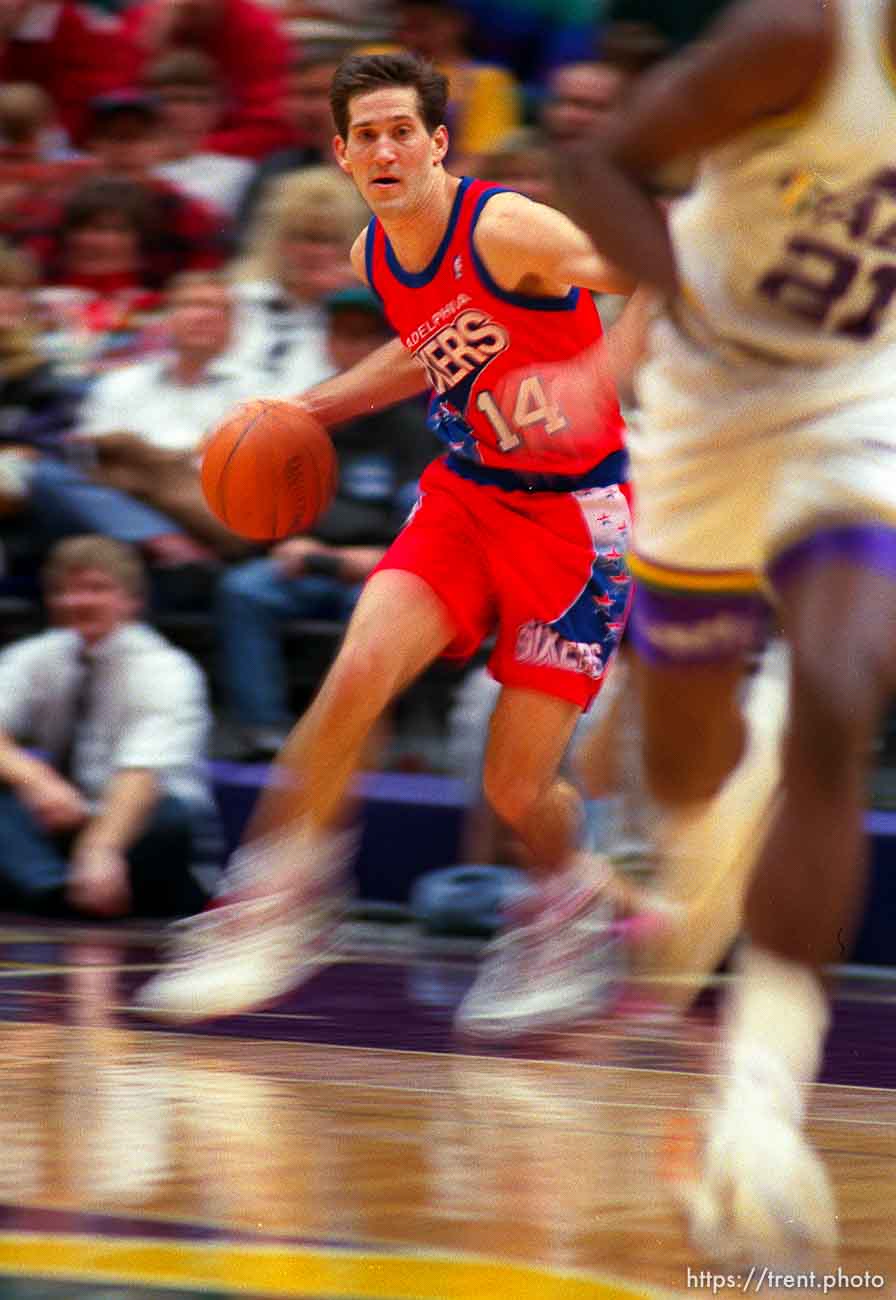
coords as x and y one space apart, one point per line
388 376
759 60
532 248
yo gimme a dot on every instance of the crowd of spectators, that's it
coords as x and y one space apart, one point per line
174 238
174 235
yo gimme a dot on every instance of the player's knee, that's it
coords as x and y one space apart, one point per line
513 796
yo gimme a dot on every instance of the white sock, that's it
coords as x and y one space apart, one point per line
776 1022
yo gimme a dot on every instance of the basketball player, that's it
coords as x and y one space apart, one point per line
520 530
768 454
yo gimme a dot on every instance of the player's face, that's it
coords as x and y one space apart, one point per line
389 153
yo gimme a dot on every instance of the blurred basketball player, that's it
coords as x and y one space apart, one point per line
520 530
768 454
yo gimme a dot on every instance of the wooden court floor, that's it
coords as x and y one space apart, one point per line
345 1146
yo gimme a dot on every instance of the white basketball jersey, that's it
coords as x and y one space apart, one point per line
787 243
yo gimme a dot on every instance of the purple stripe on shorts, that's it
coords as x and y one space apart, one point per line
673 628
872 546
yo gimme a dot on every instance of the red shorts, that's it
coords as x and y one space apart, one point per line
543 570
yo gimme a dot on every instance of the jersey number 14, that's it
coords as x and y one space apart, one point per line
529 407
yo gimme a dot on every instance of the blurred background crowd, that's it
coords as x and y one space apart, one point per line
174 238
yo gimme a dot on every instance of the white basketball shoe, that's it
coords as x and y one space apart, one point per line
759 1196
243 955
546 971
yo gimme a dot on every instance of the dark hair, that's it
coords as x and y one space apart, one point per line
359 74
182 68
102 194
135 104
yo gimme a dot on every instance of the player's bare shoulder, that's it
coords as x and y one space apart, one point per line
531 248
509 238
358 256
506 220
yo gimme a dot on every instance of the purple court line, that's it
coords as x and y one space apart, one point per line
409 1005
40 1220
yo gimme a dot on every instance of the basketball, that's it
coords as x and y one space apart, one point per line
269 470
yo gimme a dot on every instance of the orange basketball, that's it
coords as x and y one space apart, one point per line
269 469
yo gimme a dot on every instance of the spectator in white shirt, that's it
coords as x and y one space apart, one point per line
139 432
114 817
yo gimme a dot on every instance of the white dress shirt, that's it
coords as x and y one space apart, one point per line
148 707
216 179
146 399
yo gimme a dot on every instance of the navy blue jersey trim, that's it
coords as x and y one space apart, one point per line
567 303
368 257
612 469
416 279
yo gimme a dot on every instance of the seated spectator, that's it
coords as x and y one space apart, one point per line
109 819
125 139
74 49
307 109
103 251
580 97
37 170
320 575
38 406
188 93
250 51
122 234
138 435
28 130
298 252
484 100
520 162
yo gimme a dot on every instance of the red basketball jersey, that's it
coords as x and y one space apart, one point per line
481 346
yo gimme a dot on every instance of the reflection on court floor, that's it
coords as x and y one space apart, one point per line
344 1146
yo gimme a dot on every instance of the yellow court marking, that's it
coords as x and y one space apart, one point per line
290 1272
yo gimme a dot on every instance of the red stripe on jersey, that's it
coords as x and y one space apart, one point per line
481 346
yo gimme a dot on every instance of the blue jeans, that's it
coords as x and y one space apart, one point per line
65 501
253 602
34 863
